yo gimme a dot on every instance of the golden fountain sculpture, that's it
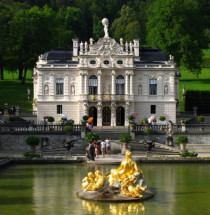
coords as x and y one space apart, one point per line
124 183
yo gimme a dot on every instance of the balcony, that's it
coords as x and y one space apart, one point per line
106 97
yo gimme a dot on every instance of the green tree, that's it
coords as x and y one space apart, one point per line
4 32
127 25
71 24
177 28
31 33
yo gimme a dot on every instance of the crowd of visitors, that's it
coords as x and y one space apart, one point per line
99 148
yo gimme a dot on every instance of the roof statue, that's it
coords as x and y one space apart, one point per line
105 23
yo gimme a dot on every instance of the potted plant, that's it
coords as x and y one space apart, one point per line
91 136
70 122
32 141
68 130
51 119
162 118
182 141
200 120
148 131
183 121
125 138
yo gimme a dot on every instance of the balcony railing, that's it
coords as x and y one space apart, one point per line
35 128
106 97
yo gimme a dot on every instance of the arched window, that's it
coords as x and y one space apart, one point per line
93 85
120 85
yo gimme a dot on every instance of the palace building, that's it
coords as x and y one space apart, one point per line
107 80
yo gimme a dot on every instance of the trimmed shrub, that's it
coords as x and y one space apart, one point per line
12 118
148 131
32 141
162 118
51 119
70 122
91 136
125 138
181 139
85 117
201 118
68 129
32 155
188 154
183 121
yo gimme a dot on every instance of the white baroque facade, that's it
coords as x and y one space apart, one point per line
106 80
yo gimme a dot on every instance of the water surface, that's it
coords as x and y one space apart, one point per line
50 190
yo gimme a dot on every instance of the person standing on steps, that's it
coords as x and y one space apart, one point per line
92 151
108 146
103 147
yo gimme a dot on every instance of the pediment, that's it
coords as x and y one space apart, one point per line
106 46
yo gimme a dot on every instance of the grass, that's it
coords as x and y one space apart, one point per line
13 92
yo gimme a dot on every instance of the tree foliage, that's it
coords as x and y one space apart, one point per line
176 27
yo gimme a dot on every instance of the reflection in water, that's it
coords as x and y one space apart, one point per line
114 208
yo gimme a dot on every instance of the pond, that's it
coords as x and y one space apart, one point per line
50 190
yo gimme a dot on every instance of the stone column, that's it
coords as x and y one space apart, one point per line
131 84
126 113
99 82
52 85
113 114
86 83
99 85
172 85
126 83
66 85
81 84
113 85
99 114
40 84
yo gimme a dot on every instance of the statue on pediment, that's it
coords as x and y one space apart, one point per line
105 23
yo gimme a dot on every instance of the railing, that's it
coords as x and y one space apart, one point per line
106 97
154 66
186 114
23 113
177 128
35 128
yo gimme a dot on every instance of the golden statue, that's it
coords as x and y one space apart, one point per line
93 182
127 176
127 167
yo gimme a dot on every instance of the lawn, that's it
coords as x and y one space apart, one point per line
13 92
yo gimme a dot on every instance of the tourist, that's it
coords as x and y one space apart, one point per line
97 149
103 147
92 151
108 146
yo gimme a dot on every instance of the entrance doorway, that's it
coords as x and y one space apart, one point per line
120 116
93 113
106 116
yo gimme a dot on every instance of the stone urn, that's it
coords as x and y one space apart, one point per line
182 147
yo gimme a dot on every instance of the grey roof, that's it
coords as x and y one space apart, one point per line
65 55
152 54
59 54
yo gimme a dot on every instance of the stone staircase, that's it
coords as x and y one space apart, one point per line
137 148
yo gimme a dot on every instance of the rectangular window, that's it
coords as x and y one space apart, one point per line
153 86
153 109
59 86
59 109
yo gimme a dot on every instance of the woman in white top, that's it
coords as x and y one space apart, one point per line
108 145
103 147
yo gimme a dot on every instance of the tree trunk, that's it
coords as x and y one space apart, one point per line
20 71
1 69
24 76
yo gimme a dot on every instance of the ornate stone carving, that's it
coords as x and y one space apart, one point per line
105 23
